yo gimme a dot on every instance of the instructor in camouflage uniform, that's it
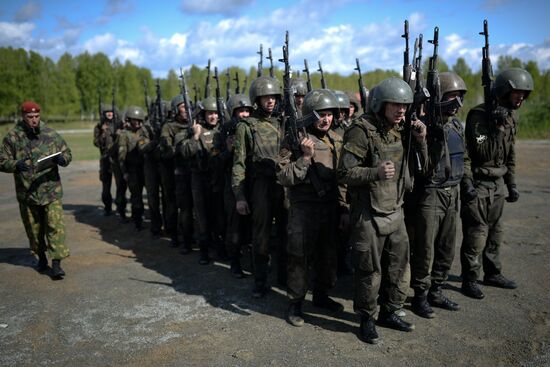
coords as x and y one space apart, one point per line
490 140
38 185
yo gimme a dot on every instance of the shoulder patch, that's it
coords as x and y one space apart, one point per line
481 138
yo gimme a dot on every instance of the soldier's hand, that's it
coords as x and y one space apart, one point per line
386 170
60 161
418 130
197 130
21 166
308 148
513 193
229 142
242 207
105 126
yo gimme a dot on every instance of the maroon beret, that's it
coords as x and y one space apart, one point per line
30 106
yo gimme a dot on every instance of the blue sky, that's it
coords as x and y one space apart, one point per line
161 35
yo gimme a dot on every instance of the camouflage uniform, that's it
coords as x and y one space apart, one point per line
149 148
256 148
313 218
131 165
176 184
492 153
39 190
112 142
101 140
378 234
207 193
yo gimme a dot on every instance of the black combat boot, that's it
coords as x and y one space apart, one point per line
57 272
260 289
236 269
107 211
500 281
294 314
421 307
221 253
471 289
392 321
138 221
367 330
42 266
436 298
321 300
174 242
204 259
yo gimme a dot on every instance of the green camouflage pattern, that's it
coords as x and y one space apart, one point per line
257 141
45 228
35 186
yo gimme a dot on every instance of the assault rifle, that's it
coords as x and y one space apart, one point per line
146 98
306 70
187 103
245 83
261 62
207 84
323 81
158 121
407 67
487 73
227 85
219 100
197 92
363 91
237 88
270 58
432 82
291 121
421 94
100 108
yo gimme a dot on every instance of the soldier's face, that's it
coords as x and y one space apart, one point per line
268 103
351 109
395 112
135 124
299 100
516 98
32 119
109 115
325 120
182 112
211 117
242 112
449 97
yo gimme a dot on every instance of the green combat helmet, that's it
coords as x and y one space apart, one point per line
320 99
299 86
393 90
354 100
135 112
236 101
264 86
513 79
176 101
450 82
209 104
343 100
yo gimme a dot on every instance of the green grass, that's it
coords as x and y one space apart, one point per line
82 146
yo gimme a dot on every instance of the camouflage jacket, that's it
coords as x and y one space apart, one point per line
41 184
256 148
128 148
366 145
490 145
103 139
295 172
171 134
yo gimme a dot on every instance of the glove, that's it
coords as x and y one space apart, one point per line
513 193
469 192
21 166
60 160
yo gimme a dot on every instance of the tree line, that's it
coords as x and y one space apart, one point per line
70 88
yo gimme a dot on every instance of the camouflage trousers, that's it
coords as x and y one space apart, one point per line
45 228
380 263
311 247
433 248
106 178
483 235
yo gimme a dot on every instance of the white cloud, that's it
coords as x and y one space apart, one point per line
15 34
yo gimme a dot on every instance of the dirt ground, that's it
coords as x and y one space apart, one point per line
128 300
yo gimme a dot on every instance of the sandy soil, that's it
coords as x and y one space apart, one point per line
128 300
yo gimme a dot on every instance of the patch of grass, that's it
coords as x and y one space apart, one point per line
82 146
